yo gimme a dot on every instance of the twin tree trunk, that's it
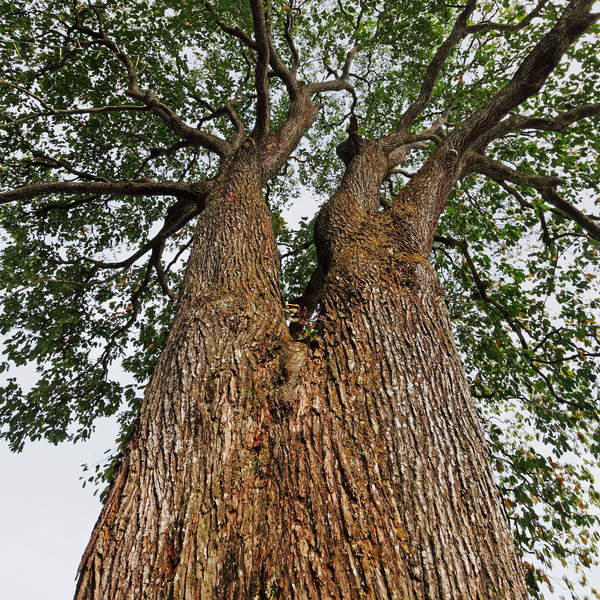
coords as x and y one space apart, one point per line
349 464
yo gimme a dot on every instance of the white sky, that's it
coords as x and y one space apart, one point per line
46 517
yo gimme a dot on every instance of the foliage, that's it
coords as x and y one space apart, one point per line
89 279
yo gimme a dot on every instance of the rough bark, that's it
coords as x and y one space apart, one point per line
349 464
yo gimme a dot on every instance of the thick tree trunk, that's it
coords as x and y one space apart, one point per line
349 464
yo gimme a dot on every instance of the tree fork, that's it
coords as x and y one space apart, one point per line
415 482
349 465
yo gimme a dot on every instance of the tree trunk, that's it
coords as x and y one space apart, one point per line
348 464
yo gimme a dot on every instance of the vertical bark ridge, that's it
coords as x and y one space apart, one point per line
403 430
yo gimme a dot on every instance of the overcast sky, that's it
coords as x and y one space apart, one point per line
46 517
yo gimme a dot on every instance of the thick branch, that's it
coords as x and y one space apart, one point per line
530 76
129 188
301 115
263 110
458 33
477 163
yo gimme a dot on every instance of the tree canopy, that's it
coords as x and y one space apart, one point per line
116 116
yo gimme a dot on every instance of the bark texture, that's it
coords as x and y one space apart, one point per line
347 464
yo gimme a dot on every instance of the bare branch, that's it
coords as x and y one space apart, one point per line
339 83
53 112
458 33
520 123
488 26
545 185
515 325
171 120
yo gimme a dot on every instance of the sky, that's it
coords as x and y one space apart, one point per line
46 517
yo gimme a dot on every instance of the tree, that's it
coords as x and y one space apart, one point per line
316 437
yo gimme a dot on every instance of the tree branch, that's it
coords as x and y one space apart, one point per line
458 33
489 26
339 83
544 184
521 122
530 76
53 112
263 109
55 163
161 110
551 196
236 32
516 326
177 217
156 152
157 253
87 187
478 163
